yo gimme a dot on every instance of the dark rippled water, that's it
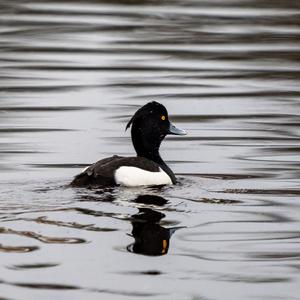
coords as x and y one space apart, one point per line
73 72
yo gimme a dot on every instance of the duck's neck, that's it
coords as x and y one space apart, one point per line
149 149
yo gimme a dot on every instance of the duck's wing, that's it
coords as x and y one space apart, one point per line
102 172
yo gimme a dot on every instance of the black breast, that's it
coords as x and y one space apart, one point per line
102 172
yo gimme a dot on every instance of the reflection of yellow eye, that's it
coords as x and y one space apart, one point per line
164 246
163 117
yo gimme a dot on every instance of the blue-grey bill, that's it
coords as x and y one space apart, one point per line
174 130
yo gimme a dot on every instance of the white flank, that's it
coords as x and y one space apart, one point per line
132 176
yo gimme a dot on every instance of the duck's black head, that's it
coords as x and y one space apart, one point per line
149 126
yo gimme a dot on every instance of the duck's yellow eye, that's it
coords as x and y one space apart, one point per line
163 118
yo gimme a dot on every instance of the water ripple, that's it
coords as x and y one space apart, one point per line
73 73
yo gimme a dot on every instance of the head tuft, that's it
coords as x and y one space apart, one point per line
146 110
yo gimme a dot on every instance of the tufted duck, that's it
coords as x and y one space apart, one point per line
149 126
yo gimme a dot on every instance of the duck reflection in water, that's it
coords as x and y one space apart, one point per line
150 238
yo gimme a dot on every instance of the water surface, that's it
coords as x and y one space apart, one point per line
72 74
